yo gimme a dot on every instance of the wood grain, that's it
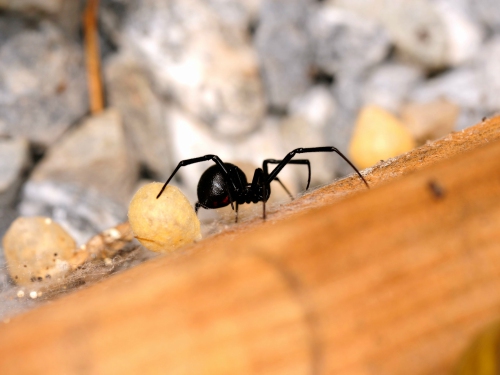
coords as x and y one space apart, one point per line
391 280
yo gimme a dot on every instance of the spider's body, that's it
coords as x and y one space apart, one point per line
214 192
225 184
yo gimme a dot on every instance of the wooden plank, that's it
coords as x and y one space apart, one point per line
393 280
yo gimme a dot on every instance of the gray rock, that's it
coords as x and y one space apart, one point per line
464 32
204 68
112 15
69 17
389 84
307 126
486 64
345 42
284 49
94 155
473 87
461 86
7 215
14 160
42 82
236 14
348 95
31 6
488 12
471 116
434 33
130 92
66 14
86 180
317 105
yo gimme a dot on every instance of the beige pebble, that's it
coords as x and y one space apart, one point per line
430 120
163 224
378 135
36 249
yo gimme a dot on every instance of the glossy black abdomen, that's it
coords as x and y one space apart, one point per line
212 188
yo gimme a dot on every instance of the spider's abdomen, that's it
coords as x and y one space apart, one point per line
213 192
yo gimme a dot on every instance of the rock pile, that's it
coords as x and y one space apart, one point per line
243 79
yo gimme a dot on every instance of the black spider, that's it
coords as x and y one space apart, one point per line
225 184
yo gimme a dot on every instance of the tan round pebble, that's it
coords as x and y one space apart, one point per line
163 224
37 249
378 135
430 120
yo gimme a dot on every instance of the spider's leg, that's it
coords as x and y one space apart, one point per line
200 159
258 181
264 191
296 161
284 187
304 150
236 209
197 205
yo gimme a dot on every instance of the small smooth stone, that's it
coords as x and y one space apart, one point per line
43 89
389 84
431 120
345 43
283 45
378 135
14 160
198 60
164 224
36 249
144 125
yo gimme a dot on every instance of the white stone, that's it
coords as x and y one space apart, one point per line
93 155
436 34
284 48
46 6
461 86
317 106
236 14
207 71
43 88
14 159
344 42
86 180
464 36
486 64
389 84
488 12
142 111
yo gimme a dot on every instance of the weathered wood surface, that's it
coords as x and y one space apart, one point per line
394 280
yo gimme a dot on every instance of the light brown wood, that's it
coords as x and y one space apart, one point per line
391 280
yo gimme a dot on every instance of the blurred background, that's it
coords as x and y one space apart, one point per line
244 79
